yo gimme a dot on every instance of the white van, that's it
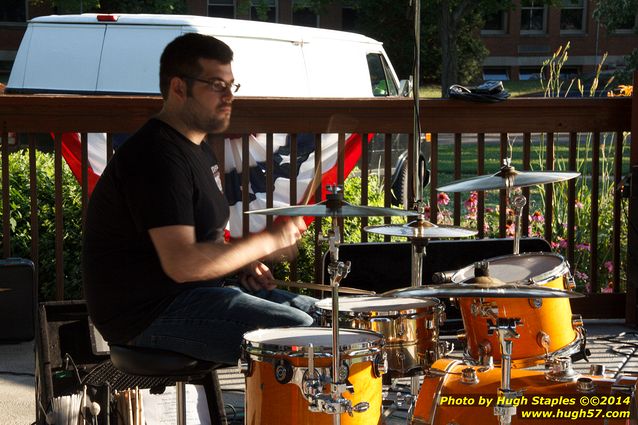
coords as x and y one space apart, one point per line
119 54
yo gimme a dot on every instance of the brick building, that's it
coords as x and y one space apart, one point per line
518 40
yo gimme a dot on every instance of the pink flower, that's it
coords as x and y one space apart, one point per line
583 247
537 217
579 204
609 288
609 265
581 276
489 210
443 199
562 243
588 288
510 230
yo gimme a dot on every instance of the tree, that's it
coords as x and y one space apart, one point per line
450 50
615 14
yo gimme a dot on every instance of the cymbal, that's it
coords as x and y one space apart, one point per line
325 288
421 229
327 209
482 290
508 176
4 289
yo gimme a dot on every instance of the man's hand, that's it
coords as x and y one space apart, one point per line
286 233
256 276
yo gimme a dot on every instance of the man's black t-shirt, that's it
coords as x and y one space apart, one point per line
157 178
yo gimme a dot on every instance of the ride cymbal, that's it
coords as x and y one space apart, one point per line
481 290
508 177
327 209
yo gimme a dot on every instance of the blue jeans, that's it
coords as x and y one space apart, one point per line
208 323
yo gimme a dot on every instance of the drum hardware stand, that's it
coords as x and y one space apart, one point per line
505 407
334 403
418 251
518 203
559 369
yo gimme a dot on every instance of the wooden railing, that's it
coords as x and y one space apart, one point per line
450 122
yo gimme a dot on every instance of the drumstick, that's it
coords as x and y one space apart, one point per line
312 187
325 288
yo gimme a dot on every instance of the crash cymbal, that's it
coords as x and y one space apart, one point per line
421 229
482 290
325 288
508 177
327 209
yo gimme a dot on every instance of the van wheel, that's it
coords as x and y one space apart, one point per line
401 184
400 187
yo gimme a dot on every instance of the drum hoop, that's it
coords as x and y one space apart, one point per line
348 357
548 276
439 389
358 349
433 303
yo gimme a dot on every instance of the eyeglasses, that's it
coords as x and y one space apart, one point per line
216 84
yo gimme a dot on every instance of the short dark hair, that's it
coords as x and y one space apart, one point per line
181 57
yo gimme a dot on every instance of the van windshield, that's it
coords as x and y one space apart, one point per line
380 76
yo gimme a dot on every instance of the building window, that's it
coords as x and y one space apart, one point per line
221 8
628 25
303 14
572 16
13 11
495 23
263 10
525 74
495 74
569 73
533 17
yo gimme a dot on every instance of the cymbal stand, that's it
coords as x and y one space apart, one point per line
518 203
418 252
336 404
505 406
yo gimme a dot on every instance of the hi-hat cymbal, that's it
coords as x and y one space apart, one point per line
482 290
328 209
421 229
325 288
508 177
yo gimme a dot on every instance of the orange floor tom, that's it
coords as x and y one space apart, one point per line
288 372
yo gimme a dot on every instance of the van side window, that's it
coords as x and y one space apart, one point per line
380 76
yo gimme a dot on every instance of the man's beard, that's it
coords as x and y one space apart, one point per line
195 120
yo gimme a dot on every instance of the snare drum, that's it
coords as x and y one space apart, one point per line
456 393
281 390
410 327
547 327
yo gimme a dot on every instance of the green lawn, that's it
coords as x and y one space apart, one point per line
516 89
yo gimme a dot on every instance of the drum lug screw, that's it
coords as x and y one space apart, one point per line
585 385
544 340
536 302
469 376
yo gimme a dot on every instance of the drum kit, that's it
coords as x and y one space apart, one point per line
515 310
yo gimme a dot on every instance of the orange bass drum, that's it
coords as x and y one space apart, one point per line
456 393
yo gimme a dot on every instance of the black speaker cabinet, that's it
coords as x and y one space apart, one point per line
18 300
64 353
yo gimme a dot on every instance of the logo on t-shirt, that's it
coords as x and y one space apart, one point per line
218 179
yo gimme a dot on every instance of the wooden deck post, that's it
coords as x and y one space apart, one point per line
631 311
